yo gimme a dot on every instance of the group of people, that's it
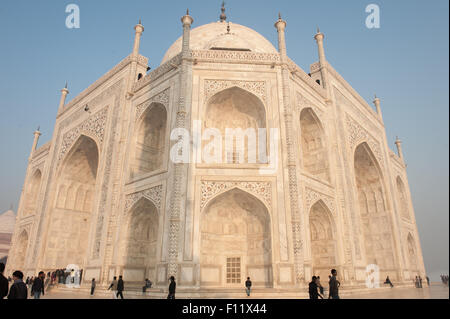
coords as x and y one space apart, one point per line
444 279
316 289
19 288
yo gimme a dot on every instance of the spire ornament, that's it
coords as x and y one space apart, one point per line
223 16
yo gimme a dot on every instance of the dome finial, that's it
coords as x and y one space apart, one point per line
187 11
223 16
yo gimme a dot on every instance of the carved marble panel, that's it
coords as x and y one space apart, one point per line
256 87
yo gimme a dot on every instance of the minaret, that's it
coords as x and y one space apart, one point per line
376 102
281 27
35 142
178 199
322 60
62 101
137 38
398 143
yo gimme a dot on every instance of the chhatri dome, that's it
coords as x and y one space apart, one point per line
223 36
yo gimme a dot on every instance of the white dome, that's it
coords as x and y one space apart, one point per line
215 36
7 222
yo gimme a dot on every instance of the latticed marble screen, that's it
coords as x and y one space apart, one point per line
234 270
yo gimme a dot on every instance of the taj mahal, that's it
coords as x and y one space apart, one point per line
106 194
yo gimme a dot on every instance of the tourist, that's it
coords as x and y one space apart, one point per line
428 281
38 286
319 285
113 287
172 288
313 293
18 289
72 276
92 286
27 281
388 282
248 286
147 285
3 282
120 288
420 282
334 286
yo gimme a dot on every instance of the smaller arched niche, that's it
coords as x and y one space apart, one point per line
149 141
140 235
21 250
313 144
403 199
32 193
236 109
412 253
323 240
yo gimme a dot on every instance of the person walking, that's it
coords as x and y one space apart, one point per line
38 286
428 281
92 286
172 288
313 292
420 282
120 288
3 282
18 289
334 285
319 285
113 287
248 286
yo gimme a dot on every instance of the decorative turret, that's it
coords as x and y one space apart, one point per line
62 101
187 21
376 102
281 27
36 133
137 38
398 143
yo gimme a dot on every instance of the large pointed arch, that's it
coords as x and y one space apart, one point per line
33 193
235 241
71 218
236 109
148 149
323 239
313 145
373 211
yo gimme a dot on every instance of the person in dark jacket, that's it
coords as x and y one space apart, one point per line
313 289
248 286
388 282
3 282
18 289
38 286
334 285
92 286
120 288
172 288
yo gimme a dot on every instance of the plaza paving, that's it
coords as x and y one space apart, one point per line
436 291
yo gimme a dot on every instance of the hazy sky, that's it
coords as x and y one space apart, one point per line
405 62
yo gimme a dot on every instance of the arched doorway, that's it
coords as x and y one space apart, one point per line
21 250
375 222
32 193
403 199
139 244
323 240
149 141
235 109
67 242
235 241
313 142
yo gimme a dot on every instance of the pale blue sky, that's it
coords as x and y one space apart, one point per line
405 62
